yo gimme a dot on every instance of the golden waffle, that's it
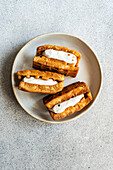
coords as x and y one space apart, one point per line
45 75
68 92
45 63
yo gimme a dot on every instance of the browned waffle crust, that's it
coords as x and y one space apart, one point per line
45 63
43 74
68 92
35 88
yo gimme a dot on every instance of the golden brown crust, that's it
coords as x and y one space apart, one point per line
45 63
70 110
35 88
43 74
68 92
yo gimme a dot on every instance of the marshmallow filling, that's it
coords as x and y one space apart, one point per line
39 81
60 55
59 108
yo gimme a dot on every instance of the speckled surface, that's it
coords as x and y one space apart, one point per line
26 143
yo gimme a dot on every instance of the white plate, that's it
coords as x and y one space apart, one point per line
89 72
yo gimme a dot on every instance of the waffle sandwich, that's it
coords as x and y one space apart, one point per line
40 81
71 99
57 59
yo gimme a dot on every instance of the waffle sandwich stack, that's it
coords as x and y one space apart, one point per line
52 64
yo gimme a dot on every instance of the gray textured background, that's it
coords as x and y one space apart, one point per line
86 143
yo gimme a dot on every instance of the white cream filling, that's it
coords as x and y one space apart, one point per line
59 108
60 55
39 81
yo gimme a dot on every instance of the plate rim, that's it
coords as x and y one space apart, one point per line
94 100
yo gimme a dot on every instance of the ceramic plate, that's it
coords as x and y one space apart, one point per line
89 72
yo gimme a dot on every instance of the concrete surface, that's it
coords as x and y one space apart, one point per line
28 144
